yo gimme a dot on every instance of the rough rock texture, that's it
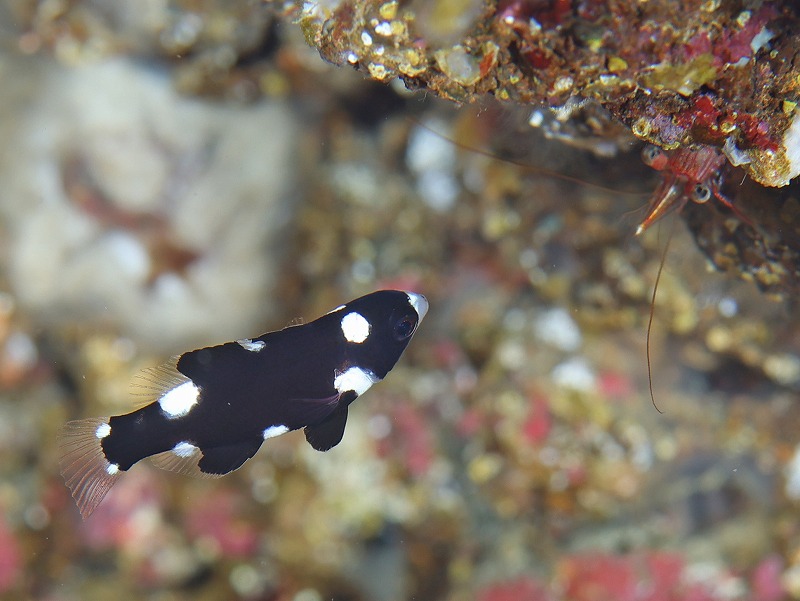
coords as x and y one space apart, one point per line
725 74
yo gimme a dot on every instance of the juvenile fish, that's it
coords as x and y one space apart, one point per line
210 410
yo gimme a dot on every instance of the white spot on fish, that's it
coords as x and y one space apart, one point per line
112 469
355 327
184 449
102 431
251 345
180 400
274 431
355 379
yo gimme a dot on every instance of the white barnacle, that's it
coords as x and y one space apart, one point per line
180 400
185 449
355 379
274 431
112 469
355 327
251 345
102 431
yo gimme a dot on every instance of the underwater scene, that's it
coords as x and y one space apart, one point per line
554 245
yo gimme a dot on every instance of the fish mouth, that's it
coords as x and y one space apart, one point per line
419 302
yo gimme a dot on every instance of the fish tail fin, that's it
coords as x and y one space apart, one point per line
86 471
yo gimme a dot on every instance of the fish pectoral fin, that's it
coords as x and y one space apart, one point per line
329 432
218 461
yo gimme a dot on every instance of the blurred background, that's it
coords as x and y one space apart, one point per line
180 174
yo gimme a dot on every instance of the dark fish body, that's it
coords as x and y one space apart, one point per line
210 410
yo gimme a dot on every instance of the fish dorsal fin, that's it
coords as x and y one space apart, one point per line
328 433
151 383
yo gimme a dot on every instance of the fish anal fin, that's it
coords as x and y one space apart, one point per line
328 433
182 463
151 383
84 466
221 460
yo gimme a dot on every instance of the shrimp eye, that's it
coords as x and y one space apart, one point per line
701 193
404 327
654 157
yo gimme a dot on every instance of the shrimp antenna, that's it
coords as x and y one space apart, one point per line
653 312
527 166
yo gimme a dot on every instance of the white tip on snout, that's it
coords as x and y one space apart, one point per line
355 327
419 302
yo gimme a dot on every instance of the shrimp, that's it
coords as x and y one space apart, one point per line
689 174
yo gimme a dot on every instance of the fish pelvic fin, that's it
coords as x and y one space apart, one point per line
221 460
86 471
327 434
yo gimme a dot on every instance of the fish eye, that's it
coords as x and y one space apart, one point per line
404 327
701 193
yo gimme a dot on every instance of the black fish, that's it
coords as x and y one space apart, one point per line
209 411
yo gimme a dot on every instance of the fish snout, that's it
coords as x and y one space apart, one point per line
419 302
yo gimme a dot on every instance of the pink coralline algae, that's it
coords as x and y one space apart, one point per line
214 518
10 559
520 589
411 439
651 576
117 523
766 579
642 576
539 422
